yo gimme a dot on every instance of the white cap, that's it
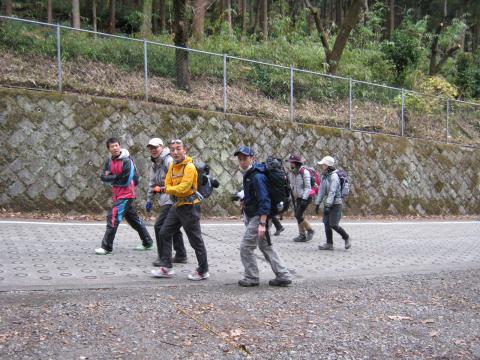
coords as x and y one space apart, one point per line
327 160
155 142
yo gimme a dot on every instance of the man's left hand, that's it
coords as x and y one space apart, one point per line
261 231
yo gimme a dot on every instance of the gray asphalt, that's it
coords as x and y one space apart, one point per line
37 255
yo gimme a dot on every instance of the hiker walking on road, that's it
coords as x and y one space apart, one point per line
300 182
330 190
161 160
181 183
119 172
257 207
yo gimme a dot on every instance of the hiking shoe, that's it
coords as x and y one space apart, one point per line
143 247
196 276
300 238
348 243
325 247
280 282
310 234
163 272
279 231
247 283
102 251
179 260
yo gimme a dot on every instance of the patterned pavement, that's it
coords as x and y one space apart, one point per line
41 255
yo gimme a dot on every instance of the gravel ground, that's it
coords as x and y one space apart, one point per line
411 316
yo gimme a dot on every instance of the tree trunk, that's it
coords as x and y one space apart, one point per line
8 8
180 28
49 11
112 20
391 19
198 24
228 15
94 15
351 19
244 13
256 26
76 14
155 11
146 28
264 17
163 16
338 13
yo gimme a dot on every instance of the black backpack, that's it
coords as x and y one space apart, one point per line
278 185
206 183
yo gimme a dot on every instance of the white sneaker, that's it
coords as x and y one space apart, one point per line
143 248
102 251
196 276
163 272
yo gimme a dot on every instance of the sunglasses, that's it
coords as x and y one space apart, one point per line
176 141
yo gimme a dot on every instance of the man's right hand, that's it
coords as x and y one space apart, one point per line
148 206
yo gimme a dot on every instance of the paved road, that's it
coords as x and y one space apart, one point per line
42 255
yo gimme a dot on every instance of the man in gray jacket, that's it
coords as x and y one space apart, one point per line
161 160
330 190
301 196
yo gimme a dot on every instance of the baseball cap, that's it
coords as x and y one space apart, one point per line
327 160
245 150
155 142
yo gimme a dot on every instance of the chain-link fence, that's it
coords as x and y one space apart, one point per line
84 61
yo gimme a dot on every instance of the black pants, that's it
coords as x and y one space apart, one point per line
124 208
301 208
331 221
276 222
177 238
187 216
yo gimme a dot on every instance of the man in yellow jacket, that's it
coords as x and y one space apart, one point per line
181 184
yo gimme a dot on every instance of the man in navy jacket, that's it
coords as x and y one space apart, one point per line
257 209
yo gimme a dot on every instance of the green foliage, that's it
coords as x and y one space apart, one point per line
468 74
369 33
405 49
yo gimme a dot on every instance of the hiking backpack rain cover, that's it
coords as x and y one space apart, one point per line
277 184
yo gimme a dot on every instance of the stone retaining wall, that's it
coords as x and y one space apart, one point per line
53 145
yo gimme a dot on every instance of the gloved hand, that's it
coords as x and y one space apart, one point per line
326 209
304 202
148 206
159 189
317 209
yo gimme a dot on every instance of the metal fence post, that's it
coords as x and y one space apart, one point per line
292 106
224 83
447 120
402 125
145 69
350 85
59 60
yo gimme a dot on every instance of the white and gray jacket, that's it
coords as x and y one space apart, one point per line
300 183
158 171
330 189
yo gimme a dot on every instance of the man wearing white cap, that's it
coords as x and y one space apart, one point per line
161 160
330 190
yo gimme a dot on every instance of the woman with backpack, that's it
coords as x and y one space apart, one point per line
331 191
301 188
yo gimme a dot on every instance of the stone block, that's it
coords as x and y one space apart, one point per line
71 194
69 122
52 192
16 188
60 179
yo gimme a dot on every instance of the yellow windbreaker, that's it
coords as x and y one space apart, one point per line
181 181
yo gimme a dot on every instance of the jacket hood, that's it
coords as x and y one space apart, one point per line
162 156
123 155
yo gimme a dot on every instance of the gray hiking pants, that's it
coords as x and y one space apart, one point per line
248 245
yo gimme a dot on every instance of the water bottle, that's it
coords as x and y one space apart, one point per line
280 206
